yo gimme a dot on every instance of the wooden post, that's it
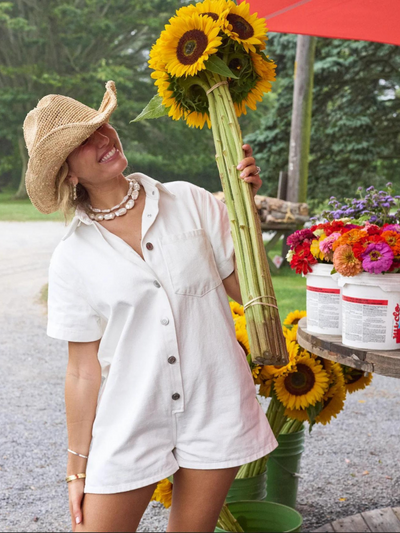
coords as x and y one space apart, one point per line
282 185
299 147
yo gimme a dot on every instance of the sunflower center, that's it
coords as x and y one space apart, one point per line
191 46
300 382
241 26
214 16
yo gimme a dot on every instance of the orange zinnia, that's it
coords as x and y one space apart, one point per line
345 261
392 238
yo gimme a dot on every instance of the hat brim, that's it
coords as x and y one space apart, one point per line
50 154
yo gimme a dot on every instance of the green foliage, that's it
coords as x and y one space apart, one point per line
355 136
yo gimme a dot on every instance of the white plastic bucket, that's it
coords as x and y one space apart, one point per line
323 301
371 311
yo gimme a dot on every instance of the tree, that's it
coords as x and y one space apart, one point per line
72 48
355 135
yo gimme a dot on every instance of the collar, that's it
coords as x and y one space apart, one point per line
149 184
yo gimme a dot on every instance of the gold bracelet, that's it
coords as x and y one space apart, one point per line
75 476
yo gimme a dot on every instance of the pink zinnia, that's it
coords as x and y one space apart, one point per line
392 227
377 258
300 236
326 245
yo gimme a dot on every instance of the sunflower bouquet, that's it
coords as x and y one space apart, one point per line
308 389
311 389
209 66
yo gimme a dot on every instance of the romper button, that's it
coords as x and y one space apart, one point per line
171 359
149 246
156 284
164 321
176 396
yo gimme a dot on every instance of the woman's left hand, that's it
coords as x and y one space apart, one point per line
249 169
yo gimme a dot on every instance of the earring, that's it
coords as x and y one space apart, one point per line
74 192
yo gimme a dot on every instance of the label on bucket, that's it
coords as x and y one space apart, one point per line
396 328
364 319
323 307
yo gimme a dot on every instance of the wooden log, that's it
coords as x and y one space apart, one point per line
275 213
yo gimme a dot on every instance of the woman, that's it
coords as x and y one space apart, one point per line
156 381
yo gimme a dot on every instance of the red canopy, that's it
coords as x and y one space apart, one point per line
367 20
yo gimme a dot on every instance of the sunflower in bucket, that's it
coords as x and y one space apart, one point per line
209 67
307 389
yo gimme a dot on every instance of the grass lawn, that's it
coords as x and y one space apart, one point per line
289 287
22 210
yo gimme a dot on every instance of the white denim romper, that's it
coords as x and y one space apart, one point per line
176 387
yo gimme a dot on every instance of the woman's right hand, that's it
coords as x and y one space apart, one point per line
76 495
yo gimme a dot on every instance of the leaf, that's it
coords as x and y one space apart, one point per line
154 109
216 65
313 411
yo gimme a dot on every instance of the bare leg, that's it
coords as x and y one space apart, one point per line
198 497
120 512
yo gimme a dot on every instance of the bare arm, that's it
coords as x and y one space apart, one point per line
231 284
82 384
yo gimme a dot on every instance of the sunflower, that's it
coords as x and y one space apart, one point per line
294 318
236 308
187 42
256 73
163 493
265 380
333 402
355 379
163 83
195 119
256 371
290 334
246 29
241 334
303 387
297 414
293 350
216 9
265 388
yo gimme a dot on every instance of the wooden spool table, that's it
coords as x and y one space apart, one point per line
330 347
386 363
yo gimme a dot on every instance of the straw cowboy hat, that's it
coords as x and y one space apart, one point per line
52 130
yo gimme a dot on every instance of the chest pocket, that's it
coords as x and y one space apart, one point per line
190 261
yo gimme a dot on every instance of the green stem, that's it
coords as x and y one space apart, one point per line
263 324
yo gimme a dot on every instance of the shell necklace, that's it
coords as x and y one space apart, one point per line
118 210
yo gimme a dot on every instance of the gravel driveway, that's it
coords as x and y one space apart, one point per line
349 466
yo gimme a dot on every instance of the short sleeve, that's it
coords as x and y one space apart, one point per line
70 317
218 228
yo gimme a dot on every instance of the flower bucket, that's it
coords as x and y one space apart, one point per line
251 488
265 517
323 301
283 469
371 311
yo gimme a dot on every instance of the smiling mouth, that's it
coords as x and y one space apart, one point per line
109 155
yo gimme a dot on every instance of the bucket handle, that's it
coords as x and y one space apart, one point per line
293 474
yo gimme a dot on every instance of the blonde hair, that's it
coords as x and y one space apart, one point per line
66 203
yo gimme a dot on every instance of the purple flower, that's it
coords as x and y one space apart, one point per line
300 236
377 258
393 227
